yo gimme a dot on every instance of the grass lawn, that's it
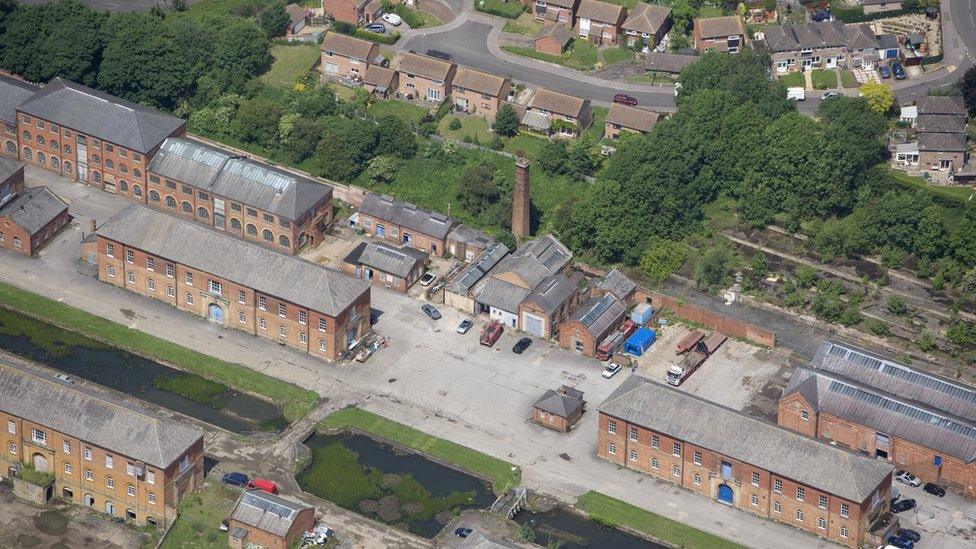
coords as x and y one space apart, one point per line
525 24
291 63
416 18
954 194
502 473
595 130
295 401
471 125
613 511
342 92
406 111
823 79
629 4
198 525
847 79
530 144
581 55
616 55
793 80
710 11
511 10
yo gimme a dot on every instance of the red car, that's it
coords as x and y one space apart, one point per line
264 484
625 99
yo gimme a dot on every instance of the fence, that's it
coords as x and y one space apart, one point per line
709 319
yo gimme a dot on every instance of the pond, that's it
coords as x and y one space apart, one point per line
568 530
406 490
133 375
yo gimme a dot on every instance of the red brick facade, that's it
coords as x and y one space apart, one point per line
392 232
304 522
752 489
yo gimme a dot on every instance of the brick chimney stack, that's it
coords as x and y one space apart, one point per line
94 226
520 199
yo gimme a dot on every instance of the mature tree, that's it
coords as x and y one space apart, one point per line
506 121
554 157
968 87
714 268
962 241
584 156
662 259
477 189
273 19
315 101
383 169
395 138
242 50
758 265
742 75
879 96
257 121
345 148
7 9
301 141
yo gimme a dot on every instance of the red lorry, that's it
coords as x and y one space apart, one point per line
491 333
703 349
689 342
613 341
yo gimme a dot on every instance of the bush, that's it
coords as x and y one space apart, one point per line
508 10
896 306
714 268
962 333
926 342
662 259
880 328
455 124
806 276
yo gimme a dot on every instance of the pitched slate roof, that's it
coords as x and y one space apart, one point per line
502 295
599 313
647 18
34 208
13 93
101 115
718 27
475 80
425 66
825 34
407 215
92 416
8 167
668 62
266 512
296 13
730 433
559 103
379 77
477 269
940 142
559 32
632 117
286 277
565 402
389 259
898 415
617 283
347 46
941 123
552 292
467 235
600 11
861 37
535 260
238 178
932 104
569 4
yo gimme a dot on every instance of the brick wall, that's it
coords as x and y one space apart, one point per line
394 233
709 319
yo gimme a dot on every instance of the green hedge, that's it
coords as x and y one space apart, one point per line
509 10
857 15
376 37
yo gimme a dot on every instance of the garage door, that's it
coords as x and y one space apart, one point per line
532 324
331 68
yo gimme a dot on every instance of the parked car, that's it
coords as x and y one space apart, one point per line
909 534
901 542
902 505
934 489
899 71
465 326
224 526
611 370
392 19
264 484
431 312
235 479
625 99
829 95
463 532
521 345
65 378
884 71
378 28
819 16
905 477
427 279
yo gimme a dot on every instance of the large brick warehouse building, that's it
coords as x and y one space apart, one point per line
916 421
110 455
233 283
749 464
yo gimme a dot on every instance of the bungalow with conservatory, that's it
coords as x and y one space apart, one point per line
425 77
647 23
555 113
599 22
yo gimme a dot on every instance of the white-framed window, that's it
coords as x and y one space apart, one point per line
302 338
755 478
151 284
109 482
151 477
170 292
800 493
67 468
655 464
109 461
66 446
215 287
804 415
303 317
322 325
322 345
821 523
184 463
282 310
611 448
152 498
242 318
754 500
822 503
612 427
799 515
38 436
130 469
632 433
131 277
845 510
89 476
777 507
88 454
170 270
282 332
129 256
150 263
110 249
263 324
110 271
676 449
188 279
655 442
696 479
189 298
262 302
778 486
675 471
11 427
130 490
633 455
241 296
12 448
844 532
697 457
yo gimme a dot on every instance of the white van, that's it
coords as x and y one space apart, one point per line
796 94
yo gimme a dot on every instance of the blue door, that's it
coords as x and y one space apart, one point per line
216 314
725 494
380 230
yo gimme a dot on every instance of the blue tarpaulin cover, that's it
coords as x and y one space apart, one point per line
640 341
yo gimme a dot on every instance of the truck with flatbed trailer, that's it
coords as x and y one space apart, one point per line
703 349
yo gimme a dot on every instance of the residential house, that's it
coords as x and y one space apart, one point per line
107 454
559 409
13 92
296 19
29 218
477 92
405 223
864 48
942 137
530 290
425 77
353 12
751 465
914 420
397 268
599 22
93 137
601 312
827 45
381 81
459 291
552 112
245 198
260 519
878 6
553 38
347 57
560 11
671 63
466 243
622 118
721 34
647 24
233 283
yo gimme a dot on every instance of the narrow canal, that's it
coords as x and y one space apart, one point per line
402 489
567 530
133 375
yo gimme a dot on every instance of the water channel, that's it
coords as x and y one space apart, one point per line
131 374
567 530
